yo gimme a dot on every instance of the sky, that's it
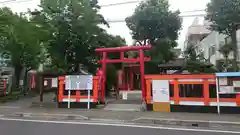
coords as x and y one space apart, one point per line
120 12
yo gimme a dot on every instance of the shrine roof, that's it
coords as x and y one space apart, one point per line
177 63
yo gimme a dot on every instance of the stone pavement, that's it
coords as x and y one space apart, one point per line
23 108
180 119
123 107
29 101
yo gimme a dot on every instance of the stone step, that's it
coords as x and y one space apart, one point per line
129 101
124 107
131 95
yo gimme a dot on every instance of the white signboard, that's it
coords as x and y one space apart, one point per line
124 95
160 91
54 82
79 82
226 89
223 81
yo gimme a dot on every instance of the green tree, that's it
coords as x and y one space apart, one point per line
225 50
196 63
225 18
154 23
75 32
21 41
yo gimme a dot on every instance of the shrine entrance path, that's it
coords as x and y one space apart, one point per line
132 103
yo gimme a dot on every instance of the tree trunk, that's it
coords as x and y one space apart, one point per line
235 50
16 78
25 82
226 63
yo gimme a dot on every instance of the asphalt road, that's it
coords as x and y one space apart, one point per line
45 128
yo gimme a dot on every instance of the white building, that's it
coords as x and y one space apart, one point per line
213 42
196 32
208 42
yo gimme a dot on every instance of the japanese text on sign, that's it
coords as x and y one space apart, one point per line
78 82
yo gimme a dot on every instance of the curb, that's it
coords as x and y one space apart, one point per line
48 116
193 123
141 120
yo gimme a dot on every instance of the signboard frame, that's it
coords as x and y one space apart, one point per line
81 82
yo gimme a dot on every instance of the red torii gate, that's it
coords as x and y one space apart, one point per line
121 50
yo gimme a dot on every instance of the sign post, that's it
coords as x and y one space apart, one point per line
69 95
68 87
218 103
89 88
79 82
89 93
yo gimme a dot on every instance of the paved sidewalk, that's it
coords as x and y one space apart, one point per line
139 117
127 115
27 102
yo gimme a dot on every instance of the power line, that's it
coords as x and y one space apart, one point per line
107 5
7 1
113 4
183 16
137 1
14 1
121 3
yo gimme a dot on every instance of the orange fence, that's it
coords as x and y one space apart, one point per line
192 90
77 95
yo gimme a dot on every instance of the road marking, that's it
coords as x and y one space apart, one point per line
122 125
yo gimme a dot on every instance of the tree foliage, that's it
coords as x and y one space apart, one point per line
225 50
63 34
76 33
153 22
196 63
74 28
225 18
20 41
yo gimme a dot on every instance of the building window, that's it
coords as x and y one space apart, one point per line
212 50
